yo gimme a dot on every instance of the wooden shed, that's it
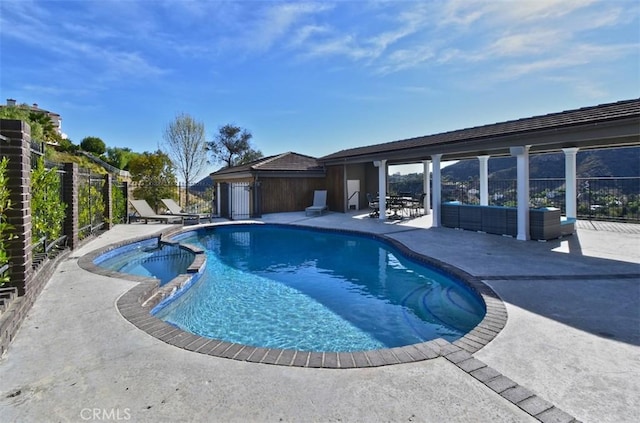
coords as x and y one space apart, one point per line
274 184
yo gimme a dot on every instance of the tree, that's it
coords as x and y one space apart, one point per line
185 144
67 145
93 145
154 175
23 113
49 132
232 146
119 157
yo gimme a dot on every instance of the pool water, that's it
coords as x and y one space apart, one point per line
310 290
148 258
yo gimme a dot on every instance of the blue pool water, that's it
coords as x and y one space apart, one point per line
310 290
148 258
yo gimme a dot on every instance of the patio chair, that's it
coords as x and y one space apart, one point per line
175 210
374 206
145 212
319 203
417 204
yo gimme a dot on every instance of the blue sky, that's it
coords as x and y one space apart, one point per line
313 78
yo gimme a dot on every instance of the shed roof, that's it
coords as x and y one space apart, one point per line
285 162
589 127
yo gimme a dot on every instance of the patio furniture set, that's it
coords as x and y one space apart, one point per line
400 206
174 214
545 223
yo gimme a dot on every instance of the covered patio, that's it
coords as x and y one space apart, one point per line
603 126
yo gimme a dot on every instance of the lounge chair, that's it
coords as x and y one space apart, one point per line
145 212
175 210
319 203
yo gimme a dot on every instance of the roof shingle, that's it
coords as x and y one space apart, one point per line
586 115
285 162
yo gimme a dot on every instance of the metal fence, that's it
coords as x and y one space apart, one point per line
196 198
90 203
42 246
606 198
119 201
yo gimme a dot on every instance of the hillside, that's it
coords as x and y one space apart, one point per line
82 161
616 162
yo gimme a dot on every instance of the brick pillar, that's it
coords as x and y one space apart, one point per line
70 198
108 203
18 150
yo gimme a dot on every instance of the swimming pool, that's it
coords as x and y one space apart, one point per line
274 286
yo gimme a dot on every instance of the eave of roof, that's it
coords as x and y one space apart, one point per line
289 162
476 138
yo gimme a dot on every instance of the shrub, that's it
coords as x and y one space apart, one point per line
47 208
119 204
5 227
90 205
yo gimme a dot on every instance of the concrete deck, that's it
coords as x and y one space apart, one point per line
572 337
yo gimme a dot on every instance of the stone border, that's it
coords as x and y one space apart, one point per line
526 400
134 305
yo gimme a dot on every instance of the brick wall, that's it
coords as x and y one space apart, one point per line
16 146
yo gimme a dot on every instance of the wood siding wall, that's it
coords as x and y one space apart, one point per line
288 194
336 188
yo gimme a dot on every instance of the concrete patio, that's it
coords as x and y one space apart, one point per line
572 337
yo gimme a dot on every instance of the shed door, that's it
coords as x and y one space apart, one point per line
353 194
240 195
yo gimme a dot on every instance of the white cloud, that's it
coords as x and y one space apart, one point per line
585 87
277 21
578 55
536 10
406 59
508 39
305 33
525 43
79 43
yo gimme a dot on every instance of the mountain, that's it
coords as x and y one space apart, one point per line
616 162
202 185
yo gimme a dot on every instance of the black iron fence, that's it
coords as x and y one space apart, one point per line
119 193
90 203
605 198
48 238
196 198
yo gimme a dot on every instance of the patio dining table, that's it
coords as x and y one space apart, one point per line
398 204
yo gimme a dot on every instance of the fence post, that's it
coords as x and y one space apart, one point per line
70 198
108 203
125 191
18 150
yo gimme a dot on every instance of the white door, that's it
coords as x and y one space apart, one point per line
240 193
353 194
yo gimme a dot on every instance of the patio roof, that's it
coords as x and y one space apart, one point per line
606 125
286 163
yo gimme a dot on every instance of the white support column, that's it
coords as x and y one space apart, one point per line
218 199
484 180
522 158
382 187
426 186
437 190
570 182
